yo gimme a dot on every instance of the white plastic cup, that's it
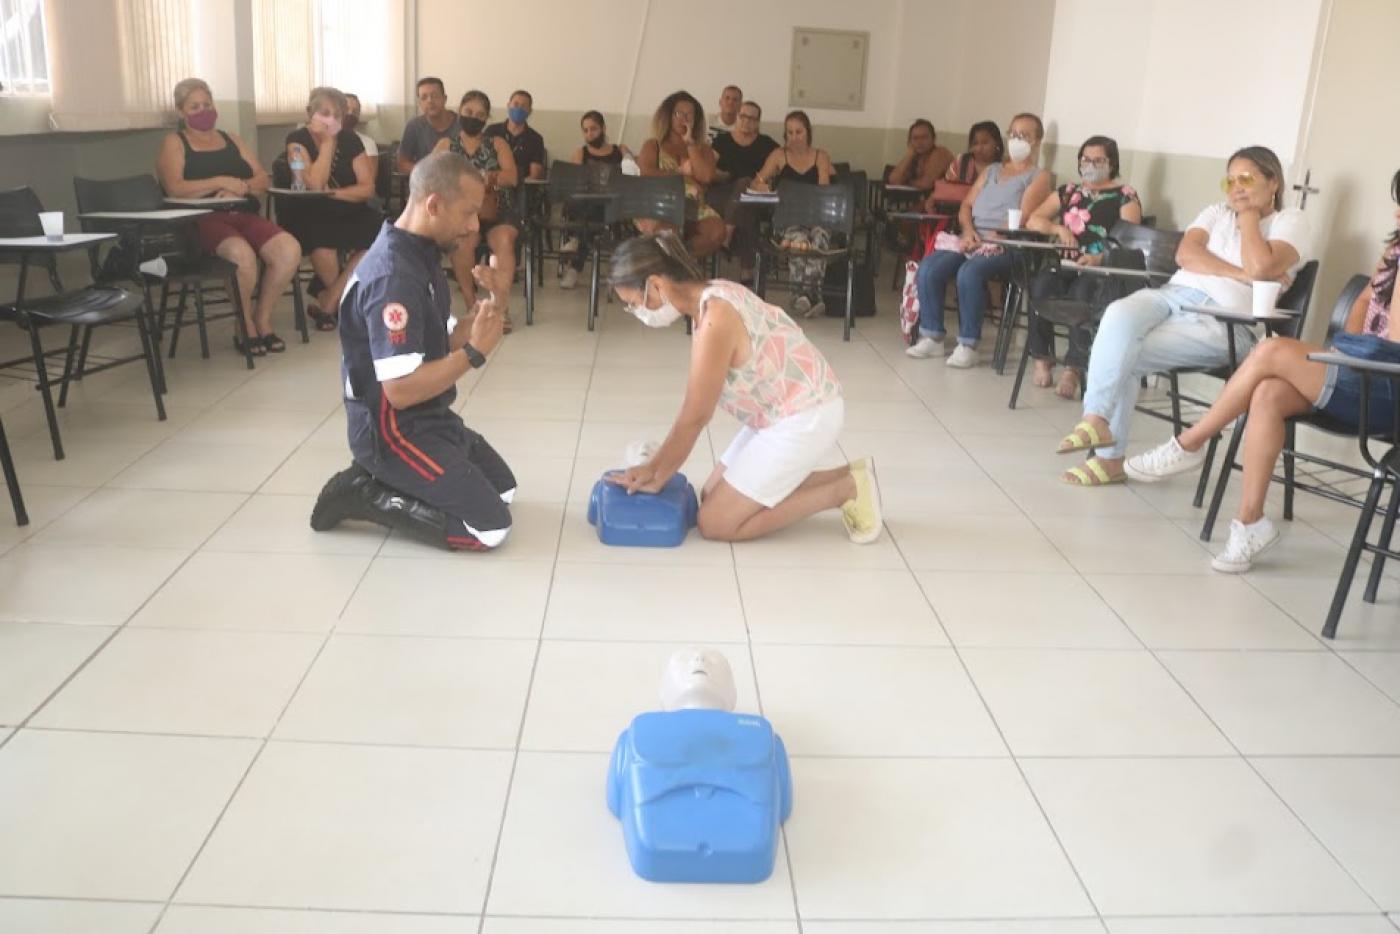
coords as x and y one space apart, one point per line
1013 219
1266 297
52 222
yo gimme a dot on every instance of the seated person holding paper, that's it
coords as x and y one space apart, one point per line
1017 184
198 161
924 161
336 163
1278 381
740 155
1079 214
1248 237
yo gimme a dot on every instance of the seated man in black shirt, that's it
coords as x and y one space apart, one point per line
741 153
525 144
417 468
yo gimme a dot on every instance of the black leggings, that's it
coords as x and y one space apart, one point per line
1050 284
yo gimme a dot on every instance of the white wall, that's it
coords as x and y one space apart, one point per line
1182 77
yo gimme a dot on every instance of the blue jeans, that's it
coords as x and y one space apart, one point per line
1144 333
972 273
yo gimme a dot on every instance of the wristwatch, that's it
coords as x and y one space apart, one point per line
478 360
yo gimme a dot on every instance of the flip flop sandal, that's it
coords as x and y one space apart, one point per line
255 347
1082 438
273 344
1092 473
325 321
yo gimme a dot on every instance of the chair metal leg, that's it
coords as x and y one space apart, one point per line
595 270
1373 584
42 371
850 295
1203 480
240 326
1177 425
83 351
179 318
1290 468
759 286
1010 308
1227 467
1020 375
151 350
1358 542
528 264
7 466
164 306
68 359
200 322
298 308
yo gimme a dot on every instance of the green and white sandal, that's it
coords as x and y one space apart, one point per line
1084 437
1092 473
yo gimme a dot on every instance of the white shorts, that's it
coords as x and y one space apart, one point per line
767 464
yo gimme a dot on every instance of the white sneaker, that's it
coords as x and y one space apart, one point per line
1246 543
964 357
570 245
926 347
1165 460
568 279
801 306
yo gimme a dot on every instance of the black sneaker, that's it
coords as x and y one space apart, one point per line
341 498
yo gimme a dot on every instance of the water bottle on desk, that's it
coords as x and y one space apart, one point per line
298 167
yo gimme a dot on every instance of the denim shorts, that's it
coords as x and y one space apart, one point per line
1341 389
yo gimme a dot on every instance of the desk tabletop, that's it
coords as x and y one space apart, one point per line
1240 315
1029 244
1112 271
168 214
293 193
217 203
42 244
916 216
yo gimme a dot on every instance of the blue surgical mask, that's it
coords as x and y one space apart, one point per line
518 114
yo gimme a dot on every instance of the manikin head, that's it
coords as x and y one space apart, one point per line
698 679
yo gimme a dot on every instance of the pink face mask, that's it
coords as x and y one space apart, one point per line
329 125
202 120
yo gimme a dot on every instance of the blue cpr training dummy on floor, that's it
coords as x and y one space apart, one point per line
655 520
701 791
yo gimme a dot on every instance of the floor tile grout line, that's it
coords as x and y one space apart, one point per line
539 647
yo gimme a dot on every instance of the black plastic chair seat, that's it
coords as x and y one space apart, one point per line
198 268
1067 312
94 306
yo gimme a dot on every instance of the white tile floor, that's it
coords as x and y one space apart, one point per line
1027 709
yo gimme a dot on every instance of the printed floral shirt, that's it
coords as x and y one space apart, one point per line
1091 214
1382 294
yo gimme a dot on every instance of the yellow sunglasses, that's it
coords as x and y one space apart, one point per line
1246 179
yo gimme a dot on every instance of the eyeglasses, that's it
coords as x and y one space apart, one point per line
1017 134
1099 162
744 116
1246 180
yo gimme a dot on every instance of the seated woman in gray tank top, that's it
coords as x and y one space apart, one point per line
1016 183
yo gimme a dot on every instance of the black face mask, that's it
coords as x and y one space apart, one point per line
472 126
599 141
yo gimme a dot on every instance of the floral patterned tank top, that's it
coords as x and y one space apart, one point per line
1377 319
785 373
694 193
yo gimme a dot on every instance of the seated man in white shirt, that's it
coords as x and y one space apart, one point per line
1249 236
727 118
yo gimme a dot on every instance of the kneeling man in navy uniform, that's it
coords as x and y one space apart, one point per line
417 467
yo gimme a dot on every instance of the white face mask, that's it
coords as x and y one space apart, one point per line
1017 149
662 317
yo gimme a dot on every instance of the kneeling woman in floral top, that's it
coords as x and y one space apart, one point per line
750 359
1079 214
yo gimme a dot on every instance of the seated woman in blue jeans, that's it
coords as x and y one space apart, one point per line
1248 237
1014 184
1277 382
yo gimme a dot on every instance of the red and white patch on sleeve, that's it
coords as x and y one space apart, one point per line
396 320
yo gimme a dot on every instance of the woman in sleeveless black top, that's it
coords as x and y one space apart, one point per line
782 165
198 161
335 162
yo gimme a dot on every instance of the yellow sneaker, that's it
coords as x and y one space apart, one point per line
862 515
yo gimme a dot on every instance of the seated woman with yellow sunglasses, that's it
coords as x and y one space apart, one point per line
1250 236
